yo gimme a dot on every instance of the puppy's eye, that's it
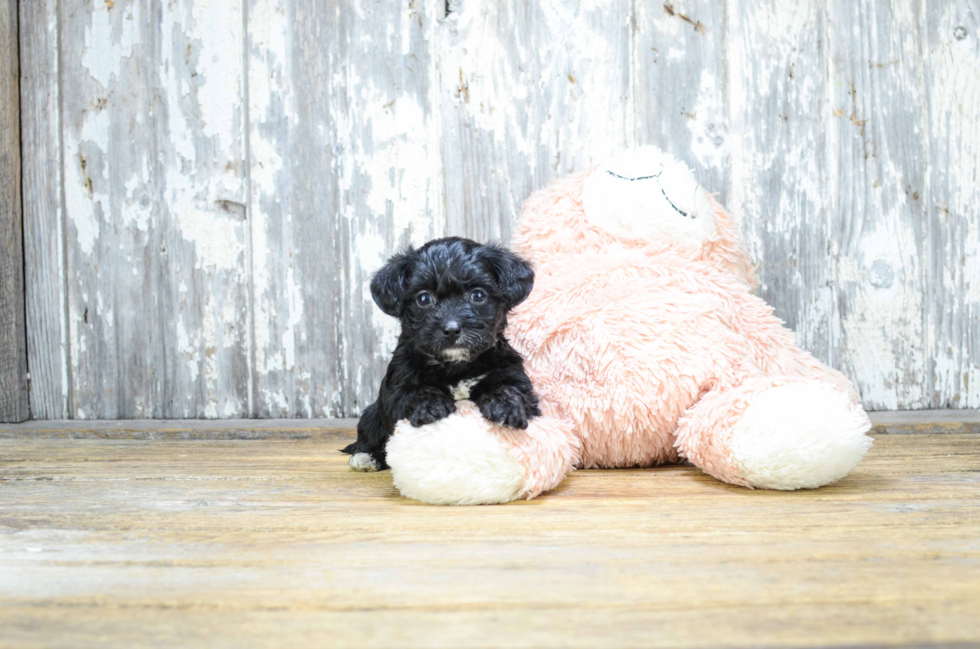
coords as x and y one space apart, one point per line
425 299
478 295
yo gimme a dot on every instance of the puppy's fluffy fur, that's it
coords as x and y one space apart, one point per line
452 297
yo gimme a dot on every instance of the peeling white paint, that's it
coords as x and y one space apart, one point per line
816 119
269 90
953 92
109 40
372 254
217 238
294 298
143 164
217 32
709 142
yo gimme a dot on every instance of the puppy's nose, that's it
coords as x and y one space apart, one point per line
451 328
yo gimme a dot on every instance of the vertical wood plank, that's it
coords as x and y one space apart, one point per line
155 202
13 338
345 170
44 242
530 91
777 101
880 169
952 41
678 56
394 194
296 97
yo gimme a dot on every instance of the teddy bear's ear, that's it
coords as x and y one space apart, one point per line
389 284
515 277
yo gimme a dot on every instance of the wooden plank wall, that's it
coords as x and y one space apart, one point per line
13 338
210 183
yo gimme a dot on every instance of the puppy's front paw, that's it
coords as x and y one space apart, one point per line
505 406
432 409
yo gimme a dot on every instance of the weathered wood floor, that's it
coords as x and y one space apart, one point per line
110 540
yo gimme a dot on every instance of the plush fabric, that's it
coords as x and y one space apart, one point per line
479 462
645 341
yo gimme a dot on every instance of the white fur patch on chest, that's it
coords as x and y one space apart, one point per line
461 390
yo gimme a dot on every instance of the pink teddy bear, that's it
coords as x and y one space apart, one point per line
646 346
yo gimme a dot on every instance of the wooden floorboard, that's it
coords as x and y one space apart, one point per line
274 542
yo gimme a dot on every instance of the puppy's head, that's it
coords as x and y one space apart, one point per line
452 295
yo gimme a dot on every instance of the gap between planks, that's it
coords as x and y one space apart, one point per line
893 422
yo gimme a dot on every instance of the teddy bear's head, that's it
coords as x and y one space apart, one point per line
640 198
646 195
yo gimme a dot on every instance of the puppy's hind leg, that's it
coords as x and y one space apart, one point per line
368 452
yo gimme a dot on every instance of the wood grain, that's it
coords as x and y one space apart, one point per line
780 123
345 170
249 163
952 53
13 338
878 95
679 85
276 543
294 207
44 237
154 186
530 92
925 421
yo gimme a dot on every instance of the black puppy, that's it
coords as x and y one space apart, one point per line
452 297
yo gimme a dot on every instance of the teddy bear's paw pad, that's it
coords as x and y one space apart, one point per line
362 462
646 194
454 461
799 436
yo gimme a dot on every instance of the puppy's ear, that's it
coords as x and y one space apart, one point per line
515 277
388 284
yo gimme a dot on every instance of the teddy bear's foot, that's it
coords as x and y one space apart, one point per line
777 434
466 460
799 436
